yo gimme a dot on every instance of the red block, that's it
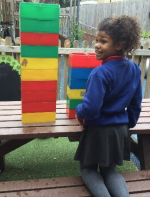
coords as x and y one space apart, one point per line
39 96
70 112
82 60
42 39
28 86
38 107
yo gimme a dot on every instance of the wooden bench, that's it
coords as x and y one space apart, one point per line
14 134
138 184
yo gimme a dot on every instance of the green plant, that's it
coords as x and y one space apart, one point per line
76 33
145 34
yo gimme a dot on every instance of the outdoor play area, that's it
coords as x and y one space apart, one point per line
46 56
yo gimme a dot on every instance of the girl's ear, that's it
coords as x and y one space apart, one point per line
119 46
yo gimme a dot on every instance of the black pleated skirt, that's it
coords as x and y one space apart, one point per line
104 145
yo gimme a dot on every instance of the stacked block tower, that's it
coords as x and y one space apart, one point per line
79 69
39 25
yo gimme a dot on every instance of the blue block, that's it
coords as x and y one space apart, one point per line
79 73
77 83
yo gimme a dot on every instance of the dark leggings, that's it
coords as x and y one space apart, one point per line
107 183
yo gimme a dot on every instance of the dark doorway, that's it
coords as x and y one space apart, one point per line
10 89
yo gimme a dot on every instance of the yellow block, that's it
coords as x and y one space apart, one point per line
75 93
38 63
38 75
38 117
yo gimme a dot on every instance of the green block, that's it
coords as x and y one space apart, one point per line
39 11
72 103
37 26
39 51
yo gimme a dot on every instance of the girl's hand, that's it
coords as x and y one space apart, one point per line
79 120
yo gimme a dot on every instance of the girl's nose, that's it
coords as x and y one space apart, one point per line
97 45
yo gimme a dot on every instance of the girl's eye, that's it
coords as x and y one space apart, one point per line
103 41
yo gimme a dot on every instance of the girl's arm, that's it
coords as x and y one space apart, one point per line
134 107
93 99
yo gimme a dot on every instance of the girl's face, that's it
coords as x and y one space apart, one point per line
105 46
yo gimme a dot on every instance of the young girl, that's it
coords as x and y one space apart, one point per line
110 107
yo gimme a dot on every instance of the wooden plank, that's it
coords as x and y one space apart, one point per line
35 132
7 123
145 100
61 106
145 194
141 129
139 186
18 124
145 109
17 112
11 117
55 131
144 114
12 103
40 184
59 192
147 104
18 117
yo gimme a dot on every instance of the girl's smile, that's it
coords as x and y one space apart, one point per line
105 46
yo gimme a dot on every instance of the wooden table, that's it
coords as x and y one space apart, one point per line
14 134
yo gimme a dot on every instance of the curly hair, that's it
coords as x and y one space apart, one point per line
125 29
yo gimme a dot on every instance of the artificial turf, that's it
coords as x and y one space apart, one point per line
46 158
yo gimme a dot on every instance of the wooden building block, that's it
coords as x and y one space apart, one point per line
70 113
39 96
42 39
39 51
76 83
79 73
33 25
75 93
39 63
39 11
33 107
38 117
38 75
82 60
38 86
72 103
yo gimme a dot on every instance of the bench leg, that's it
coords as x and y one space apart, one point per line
2 163
144 148
8 146
134 147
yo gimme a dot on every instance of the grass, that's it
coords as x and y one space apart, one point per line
46 158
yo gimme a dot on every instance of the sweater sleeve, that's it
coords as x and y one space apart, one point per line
93 99
134 107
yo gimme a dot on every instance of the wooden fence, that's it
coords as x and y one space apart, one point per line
91 15
141 57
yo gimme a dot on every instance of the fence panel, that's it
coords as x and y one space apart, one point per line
141 57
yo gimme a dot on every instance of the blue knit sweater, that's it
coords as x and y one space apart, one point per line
113 94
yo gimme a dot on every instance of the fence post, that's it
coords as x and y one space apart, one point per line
85 44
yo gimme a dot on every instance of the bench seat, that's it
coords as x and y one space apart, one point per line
138 184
